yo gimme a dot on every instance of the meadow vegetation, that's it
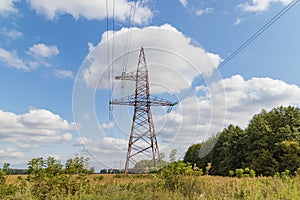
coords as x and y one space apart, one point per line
260 162
179 180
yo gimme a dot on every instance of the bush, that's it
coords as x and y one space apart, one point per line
2 177
252 173
239 173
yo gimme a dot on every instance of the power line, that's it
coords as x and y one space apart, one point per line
128 40
110 51
254 36
108 57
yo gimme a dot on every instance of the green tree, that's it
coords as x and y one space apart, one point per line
6 168
264 150
2 177
288 155
271 142
226 154
172 155
192 154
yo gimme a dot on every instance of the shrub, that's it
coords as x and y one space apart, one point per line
239 173
252 173
2 177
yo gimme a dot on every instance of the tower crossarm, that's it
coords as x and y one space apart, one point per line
127 101
157 101
130 76
142 100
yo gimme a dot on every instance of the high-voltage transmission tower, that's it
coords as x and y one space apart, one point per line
142 138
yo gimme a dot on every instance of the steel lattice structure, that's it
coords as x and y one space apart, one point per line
142 138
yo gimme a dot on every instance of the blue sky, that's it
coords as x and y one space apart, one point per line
44 68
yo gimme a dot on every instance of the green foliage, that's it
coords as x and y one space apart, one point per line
239 173
6 168
243 173
5 189
2 177
154 186
173 155
172 174
49 179
176 168
270 143
192 153
252 173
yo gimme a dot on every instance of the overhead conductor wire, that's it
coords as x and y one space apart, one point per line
110 54
128 41
113 55
253 37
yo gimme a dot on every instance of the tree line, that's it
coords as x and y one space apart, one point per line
269 144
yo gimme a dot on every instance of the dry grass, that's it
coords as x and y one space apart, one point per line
110 186
107 178
12 179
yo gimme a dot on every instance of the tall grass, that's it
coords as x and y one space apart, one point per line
156 187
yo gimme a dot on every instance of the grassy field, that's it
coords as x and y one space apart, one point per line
176 187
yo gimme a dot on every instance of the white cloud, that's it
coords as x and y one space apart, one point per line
107 125
11 153
204 11
36 127
94 9
238 21
11 59
192 120
172 65
39 52
43 51
7 6
183 3
110 149
11 33
63 73
261 5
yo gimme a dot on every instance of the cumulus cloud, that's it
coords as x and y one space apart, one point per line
38 126
60 73
255 94
39 52
7 7
198 117
43 50
110 149
106 143
11 59
11 33
172 65
261 5
95 9
11 153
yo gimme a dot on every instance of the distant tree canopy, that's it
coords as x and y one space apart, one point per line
270 144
